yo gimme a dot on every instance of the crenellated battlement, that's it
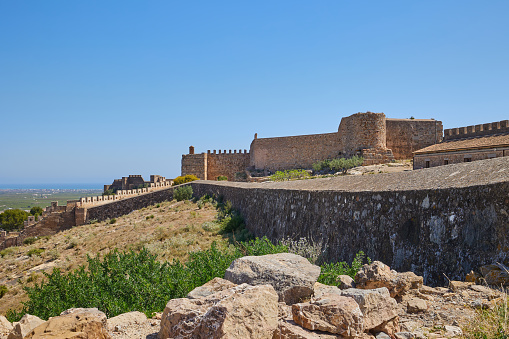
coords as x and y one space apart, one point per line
492 128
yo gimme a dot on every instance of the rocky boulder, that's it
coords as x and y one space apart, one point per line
211 287
125 320
74 323
378 275
291 275
26 324
330 313
496 274
5 327
242 311
376 305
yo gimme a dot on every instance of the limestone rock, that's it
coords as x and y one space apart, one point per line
211 287
330 313
457 286
5 327
382 335
404 335
78 323
453 331
291 275
125 320
26 324
345 281
376 305
288 329
378 275
496 274
416 305
242 311
473 277
320 289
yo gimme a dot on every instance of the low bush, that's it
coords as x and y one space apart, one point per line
331 271
222 178
29 240
7 251
338 164
3 290
183 179
183 193
35 251
289 175
113 220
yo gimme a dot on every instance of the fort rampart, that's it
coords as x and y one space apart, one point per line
450 226
210 165
477 130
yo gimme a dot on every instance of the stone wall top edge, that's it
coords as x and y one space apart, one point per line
295 136
410 120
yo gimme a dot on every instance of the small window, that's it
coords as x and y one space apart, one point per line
446 162
467 160
427 164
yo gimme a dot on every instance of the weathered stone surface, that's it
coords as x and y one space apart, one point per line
416 305
382 335
320 289
345 281
26 324
453 331
456 286
242 311
378 275
211 287
376 305
389 327
404 335
78 323
473 277
5 327
291 275
330 313
125 320
496 274
288 329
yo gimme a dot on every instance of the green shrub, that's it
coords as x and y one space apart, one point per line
12 220
331 271
113 220
289 175
338 164
222 178
7 251
29 240
36 210
3 290
35 251
183 179
183 193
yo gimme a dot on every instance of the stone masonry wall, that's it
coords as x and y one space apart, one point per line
362 131
195 164
405 136
477 130
226 164
431 232
293 152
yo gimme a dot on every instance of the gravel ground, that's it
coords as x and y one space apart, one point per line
483 172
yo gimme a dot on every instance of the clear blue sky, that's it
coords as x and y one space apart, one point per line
96 90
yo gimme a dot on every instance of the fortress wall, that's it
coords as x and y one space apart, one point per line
195 164
226 164
121 207
293 152
477 130
405 136
430 232
362 131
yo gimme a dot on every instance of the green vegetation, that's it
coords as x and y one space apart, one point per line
490 323
123 282
35 251
113 220
183 179
222 178
3 290
25 199
183 193
331 271
29 240
109 191
36 210
289 175
338 164
12 220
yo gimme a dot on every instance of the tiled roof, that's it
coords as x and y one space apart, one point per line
500 140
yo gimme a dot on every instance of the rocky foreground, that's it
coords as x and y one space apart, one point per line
278 297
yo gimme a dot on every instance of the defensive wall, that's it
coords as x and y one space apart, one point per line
449 219
477 130
210 165
371 135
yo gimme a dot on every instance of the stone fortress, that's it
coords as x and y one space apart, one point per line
371 135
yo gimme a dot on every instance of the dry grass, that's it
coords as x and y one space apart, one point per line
168 231
490 323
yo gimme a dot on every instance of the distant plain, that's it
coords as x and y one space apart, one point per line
27 198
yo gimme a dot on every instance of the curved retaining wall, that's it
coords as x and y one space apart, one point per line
430 232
